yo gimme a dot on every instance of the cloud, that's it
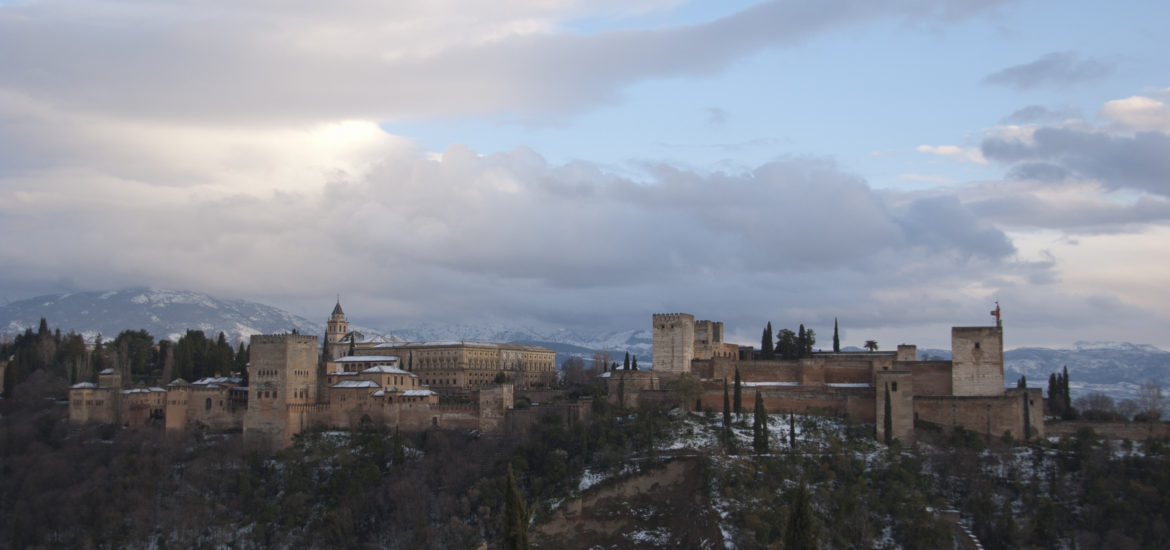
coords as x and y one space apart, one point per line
961 154
245 62
1140 162
1053 69
1034 114
1139 114
716 116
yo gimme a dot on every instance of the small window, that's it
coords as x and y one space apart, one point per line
893 386
976 345
207 405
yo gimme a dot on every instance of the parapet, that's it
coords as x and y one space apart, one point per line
283 338
673 318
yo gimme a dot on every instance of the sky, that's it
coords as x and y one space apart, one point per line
899 166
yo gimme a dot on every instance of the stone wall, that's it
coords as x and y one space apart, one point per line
282 371
899 387
930 377
989 415
1138 431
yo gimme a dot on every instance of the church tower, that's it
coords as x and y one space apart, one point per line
335 332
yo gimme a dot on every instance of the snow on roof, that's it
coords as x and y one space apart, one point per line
765 384
142 390
356 384
849 385
178 382
366 359
385 369
417 393
107 371
83 386
217 380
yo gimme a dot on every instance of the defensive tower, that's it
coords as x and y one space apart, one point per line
673 346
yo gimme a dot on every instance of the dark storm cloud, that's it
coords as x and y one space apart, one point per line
944 225
1140 162
1054 69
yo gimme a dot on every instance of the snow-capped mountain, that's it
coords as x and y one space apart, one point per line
165 314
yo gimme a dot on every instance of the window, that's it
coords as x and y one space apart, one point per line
976 345
893 386
207 405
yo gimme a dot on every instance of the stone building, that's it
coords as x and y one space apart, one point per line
967 391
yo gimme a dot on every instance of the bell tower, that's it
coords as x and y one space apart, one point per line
335 331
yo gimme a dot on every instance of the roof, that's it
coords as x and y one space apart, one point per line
83 386
464 343
367 359
384 369
107 371
178 382
217 380
337 309
356 384
143 390
417 393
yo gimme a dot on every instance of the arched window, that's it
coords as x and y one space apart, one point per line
208 404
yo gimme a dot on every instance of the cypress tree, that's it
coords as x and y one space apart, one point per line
801 342
627 363
726 407
766 349
888 422
760 426
515 516
836 337
738 402
792 430
798 531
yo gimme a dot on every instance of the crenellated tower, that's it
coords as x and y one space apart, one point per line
673 343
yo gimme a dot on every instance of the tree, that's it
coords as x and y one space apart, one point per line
573 372
760 426
801 341
626 365
726 407
810 340
791 430
799 529
766 349
836 337
634 363
1097 406
515 516
871 345
1022 382
1150 402
135 352
738 402
600 359
786 345
888 421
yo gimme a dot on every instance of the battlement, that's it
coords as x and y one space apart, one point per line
283 338
673 317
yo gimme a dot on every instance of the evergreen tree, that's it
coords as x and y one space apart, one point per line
792 430
786 345
726 407
634 364
801 342
766 349
626 365
888 421
836 337
1022 382
798 531
515 516
760 426
738 402
810 340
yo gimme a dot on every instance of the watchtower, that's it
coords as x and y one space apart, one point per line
673 345
282 371
335 330
977 360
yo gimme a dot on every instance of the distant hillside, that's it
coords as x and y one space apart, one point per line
165 314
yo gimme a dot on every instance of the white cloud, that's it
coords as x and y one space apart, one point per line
961 154
1137 113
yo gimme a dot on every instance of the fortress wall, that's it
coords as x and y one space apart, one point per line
930 377
898 386
852 374
1138 431
988 415
856 402
212 407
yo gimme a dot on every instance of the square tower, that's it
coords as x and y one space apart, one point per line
282 371
977 360
673 345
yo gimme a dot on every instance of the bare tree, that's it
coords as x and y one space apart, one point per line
573 372
1096 406
1150 401
601 360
